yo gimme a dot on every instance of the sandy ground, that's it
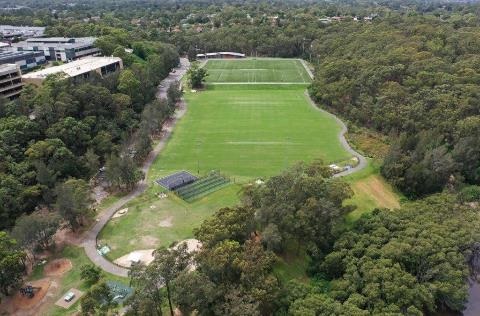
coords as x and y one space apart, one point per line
57 267
145 256
167 222
23 302
61 302
192 245
120 213
20 305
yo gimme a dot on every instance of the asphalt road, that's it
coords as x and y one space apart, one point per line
90 239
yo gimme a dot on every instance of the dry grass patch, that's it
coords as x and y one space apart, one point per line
379 191
370 143
57 267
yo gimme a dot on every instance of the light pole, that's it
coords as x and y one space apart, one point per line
199 142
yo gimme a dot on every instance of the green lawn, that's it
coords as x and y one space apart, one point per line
245 132
249 133
145 224
256 71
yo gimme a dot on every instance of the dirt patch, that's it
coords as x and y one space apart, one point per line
192 245
68 237
99 194
150 241
57 267
167 222
375 188
20 302
120 213
62 303
145 256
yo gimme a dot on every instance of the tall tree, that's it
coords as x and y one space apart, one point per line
74 202
98 300
36 231
196 75
143 143
130 85
12 263
122 173
169 263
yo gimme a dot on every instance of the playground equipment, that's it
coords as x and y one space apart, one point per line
29 291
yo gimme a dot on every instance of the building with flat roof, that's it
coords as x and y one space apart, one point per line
63 49
25 60
78 69
10 81
220 55
11 31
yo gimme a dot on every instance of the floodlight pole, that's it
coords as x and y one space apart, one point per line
198 157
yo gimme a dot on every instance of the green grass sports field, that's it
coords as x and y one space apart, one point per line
247 131
250 132
256 71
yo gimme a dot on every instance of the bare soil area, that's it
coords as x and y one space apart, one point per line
57 267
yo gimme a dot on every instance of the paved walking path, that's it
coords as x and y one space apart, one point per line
90 238
362 161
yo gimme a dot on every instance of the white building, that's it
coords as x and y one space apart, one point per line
78 69
226 55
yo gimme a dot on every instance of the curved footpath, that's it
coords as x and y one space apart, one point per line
90 239
362 161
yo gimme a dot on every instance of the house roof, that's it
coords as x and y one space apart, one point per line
74 68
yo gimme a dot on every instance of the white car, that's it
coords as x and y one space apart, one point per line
69 297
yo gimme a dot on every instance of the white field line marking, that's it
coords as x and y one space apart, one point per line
309 72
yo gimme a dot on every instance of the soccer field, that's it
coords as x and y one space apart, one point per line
249 131
256 71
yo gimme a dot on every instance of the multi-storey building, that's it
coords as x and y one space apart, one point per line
63 49
25 60
77 70
10 81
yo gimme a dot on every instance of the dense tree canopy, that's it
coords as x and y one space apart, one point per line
411 260
413 77
65 129
300 207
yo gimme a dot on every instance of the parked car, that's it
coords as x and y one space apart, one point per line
69 297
